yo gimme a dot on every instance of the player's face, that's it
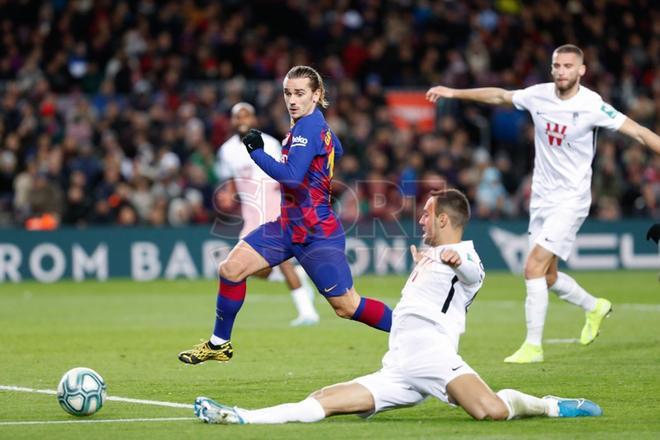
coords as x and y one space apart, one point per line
299 98
242 121
567 69
430 223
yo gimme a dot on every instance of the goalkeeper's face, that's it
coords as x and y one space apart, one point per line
242 121
567 69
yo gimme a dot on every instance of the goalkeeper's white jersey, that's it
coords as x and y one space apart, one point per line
439 293
259 193
565 133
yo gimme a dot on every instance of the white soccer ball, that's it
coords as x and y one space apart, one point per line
81 391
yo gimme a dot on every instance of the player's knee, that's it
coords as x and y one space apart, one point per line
488 408
318 394
344 312
498 412
496 408
538 264
230 270
529 270
551 278
345 305
479 414
533 269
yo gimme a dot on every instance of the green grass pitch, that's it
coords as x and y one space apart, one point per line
131 333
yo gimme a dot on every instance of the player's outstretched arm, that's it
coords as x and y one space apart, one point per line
291 172
486 95
641 134
466 268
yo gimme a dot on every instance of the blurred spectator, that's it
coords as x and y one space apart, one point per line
491 195
126 215
78 201
44 197
8 167
142 198
179 212
651 187
608 208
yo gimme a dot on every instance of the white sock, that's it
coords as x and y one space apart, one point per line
215 340
303 303
306 283
569 290
306 411
536 306
521 404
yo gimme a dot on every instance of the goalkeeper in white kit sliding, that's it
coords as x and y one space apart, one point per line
566 118
423 357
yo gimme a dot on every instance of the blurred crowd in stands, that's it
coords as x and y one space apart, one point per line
111 112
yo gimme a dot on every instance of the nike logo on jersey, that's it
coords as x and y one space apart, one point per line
299 141
456 368
329 288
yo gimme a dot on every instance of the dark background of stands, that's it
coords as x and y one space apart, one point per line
111 112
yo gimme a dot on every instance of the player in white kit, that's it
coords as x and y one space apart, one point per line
260 203
423 357
566 119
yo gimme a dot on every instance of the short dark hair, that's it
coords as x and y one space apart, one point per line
570 48
453 203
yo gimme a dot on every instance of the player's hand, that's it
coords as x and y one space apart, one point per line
416 255
451 258
253 140
438 92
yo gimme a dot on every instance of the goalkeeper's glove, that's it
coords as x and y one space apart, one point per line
253 140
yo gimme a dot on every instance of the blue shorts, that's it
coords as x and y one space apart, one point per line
323 258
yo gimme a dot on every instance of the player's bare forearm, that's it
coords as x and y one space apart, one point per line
641 134
650 139
486 95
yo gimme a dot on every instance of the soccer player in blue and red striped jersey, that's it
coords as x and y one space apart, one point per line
307 228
